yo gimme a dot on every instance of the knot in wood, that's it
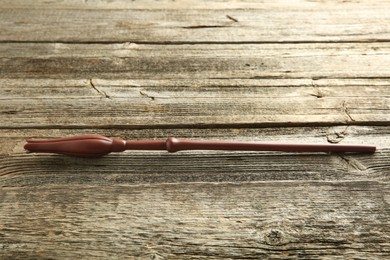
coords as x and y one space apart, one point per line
274 237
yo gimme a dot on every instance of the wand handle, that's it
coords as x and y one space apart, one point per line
97 145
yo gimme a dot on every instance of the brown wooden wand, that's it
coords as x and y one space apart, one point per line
97 145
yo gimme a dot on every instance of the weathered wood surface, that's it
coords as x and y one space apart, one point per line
261 22
291 71
136 167
196 103
188 4
194 61
133 85
212 221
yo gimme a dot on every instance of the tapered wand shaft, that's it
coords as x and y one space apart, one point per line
97 145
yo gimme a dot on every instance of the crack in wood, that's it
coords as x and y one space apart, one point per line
101 92
204 26
352 163
318 93
346 111
146 95
232 18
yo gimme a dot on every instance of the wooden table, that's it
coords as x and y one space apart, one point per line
289 71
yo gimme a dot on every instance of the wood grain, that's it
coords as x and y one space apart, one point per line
135 167
194 61
351 23
288 71
192 221
197 205
132 86
188 4
203 103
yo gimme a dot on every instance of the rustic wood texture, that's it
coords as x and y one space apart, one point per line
188 4
289 71
196 103
136 167
163 21
133 85
268 220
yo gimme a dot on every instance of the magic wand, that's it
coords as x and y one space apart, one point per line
97 146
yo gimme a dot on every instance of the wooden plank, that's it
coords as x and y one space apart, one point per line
337 23
193 103
97 78
307 220
193 61
132 85
132 167
188 4
192 88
